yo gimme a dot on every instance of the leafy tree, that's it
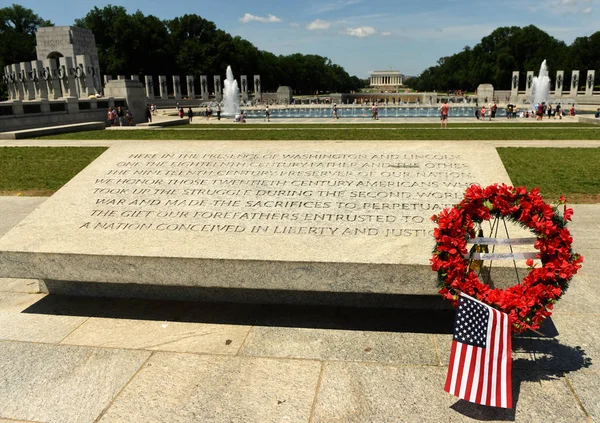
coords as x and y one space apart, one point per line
17 35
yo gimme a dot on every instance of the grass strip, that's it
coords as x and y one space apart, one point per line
384 134
573 172
41 170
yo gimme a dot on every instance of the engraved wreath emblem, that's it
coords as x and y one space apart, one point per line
531 301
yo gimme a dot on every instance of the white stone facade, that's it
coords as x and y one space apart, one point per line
387 80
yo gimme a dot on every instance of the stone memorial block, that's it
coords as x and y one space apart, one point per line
218 88
134 94
177 87
107 78
559 83
19 78
574 83
85 75
529 83
162 86
50 75
40 85
279 217
284 95
257 88
514 88
9 79
204 87
149 87
135 78
29 85
485 91
244 87
589 83
66 74
191 92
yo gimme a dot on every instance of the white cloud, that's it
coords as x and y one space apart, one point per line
587 10
294 24
249 18
386 33
360 32
318 24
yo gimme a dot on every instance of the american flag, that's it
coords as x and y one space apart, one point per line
480 368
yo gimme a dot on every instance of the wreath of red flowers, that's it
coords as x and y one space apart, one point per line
530 302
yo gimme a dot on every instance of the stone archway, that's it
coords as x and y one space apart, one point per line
54 56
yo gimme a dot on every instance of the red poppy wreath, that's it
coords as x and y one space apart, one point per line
530 302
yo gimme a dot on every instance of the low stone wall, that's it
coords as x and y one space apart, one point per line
17 115
52 130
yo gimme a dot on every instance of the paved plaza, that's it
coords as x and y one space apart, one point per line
76 359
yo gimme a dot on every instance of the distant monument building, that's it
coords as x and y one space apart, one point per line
390 80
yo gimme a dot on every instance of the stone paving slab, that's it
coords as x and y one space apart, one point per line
576 346
19 285
344 345
159 335
180 388
587 386
15 209
49 383
353 392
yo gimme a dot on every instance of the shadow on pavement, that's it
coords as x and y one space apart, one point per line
300 316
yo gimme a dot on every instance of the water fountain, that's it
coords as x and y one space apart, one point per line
540 86
231 95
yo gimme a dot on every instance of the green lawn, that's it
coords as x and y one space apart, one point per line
41 170
573 172
369 131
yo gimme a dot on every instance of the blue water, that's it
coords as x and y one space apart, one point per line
365 112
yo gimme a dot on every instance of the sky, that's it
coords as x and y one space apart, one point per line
360 35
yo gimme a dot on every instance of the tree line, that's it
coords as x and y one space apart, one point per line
509 49
136 44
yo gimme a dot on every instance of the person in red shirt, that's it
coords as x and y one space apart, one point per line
444 114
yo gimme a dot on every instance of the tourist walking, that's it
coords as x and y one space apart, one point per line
267 114
549 111
148 113
494 109
110 115
190 114
219 111
444 114
334 113
539 115
120 115
129 117
558 111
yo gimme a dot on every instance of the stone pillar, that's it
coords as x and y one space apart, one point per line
66 74
244 83
177 87
574 83
135 78
50 75
85 75
589 83
41 87
257 88
28 81
218 88
8 80
559 83
514 85
122 77
204 87
149 87
162 86
529 83
20 89
189 82
107 78
134 94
